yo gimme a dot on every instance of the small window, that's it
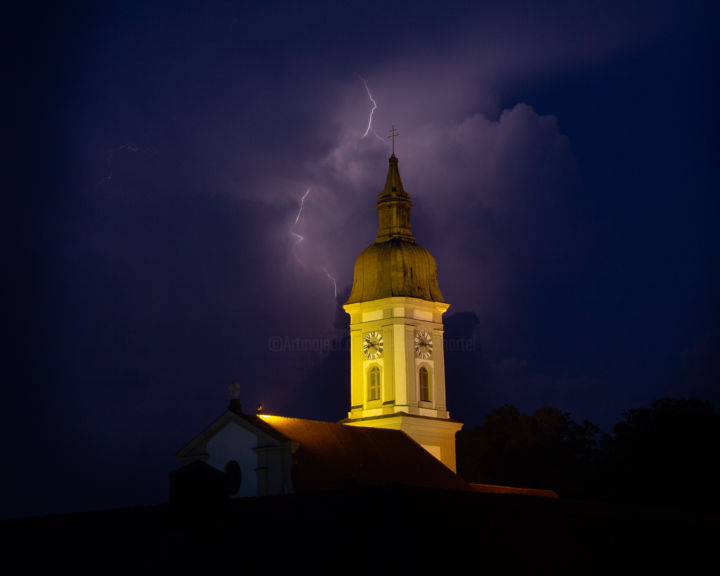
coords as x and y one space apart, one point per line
424 377
374 384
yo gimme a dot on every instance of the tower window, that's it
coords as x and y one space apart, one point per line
424 377
374 384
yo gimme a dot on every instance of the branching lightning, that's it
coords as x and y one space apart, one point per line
372 112
300 238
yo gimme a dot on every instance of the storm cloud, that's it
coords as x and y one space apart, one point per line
160 251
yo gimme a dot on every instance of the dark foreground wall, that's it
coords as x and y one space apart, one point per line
374 530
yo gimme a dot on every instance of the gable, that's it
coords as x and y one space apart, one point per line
196 449
257 456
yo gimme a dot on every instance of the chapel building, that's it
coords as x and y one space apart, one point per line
398 430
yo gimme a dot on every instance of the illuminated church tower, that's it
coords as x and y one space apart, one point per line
396 333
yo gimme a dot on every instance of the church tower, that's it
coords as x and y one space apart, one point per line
397 368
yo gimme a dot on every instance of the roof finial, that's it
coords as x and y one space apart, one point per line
393 134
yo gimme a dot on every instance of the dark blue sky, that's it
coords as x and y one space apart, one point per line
562 161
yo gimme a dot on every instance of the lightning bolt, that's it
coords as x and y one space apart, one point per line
332 279
298 237
372 112
130 147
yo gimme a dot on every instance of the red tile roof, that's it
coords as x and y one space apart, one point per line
332 456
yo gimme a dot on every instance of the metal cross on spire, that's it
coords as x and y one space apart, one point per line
393 134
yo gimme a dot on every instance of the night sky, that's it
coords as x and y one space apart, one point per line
562 162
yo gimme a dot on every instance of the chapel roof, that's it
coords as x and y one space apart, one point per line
331 454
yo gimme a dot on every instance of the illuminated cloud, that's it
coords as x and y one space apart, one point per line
149 293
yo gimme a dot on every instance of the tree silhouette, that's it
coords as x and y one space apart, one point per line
668 452
545 450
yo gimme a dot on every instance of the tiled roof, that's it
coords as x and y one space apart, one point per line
332 456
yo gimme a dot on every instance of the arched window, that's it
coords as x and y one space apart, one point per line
424 377
374 384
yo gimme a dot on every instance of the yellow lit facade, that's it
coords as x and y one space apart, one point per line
397 322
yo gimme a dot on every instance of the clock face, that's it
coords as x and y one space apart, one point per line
423 344
372 345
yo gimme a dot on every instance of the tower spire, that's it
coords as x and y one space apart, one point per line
393 207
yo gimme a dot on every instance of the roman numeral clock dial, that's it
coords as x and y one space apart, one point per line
372 345
423 345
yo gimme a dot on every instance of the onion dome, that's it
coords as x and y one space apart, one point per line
395 265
